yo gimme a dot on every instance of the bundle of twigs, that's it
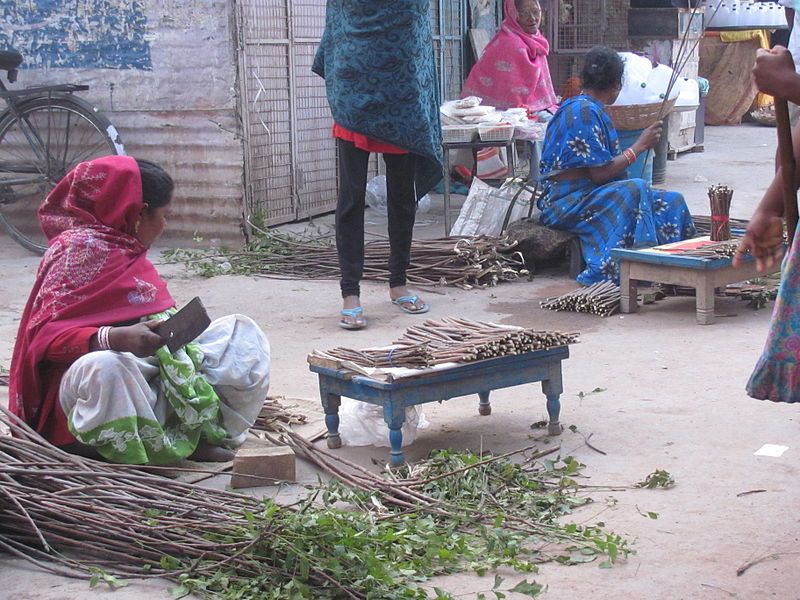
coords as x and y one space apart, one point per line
275 415
600 299
453 340
720 197
463 262
725 249
414 356
702 224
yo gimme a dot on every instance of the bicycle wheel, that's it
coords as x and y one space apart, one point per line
50 137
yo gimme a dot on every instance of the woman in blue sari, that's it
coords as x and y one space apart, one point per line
583 168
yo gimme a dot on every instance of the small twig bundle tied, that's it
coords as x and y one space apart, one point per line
720 197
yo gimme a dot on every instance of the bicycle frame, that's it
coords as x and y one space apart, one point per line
40 147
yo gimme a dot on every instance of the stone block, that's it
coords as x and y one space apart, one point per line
260 466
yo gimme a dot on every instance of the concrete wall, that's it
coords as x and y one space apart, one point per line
164 72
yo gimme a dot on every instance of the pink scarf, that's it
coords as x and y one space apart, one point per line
94 273
513 70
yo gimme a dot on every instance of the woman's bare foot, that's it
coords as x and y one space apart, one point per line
407 301
207 453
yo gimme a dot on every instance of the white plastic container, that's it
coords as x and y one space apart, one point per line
689 96
658 82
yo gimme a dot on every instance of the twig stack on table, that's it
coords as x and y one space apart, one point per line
720 197
460 357
452 340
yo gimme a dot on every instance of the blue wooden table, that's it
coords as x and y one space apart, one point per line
705 275
479 377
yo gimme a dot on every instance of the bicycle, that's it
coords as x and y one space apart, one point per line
44 132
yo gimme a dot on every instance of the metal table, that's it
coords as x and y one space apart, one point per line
474 147
479 377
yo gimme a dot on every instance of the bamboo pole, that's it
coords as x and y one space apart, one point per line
786 152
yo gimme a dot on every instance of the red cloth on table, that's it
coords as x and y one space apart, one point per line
94 273
362 142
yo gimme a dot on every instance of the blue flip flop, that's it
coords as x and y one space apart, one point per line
403 300
355 313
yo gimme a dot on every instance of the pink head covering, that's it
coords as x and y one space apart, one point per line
513 70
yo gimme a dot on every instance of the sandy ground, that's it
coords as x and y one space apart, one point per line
673 400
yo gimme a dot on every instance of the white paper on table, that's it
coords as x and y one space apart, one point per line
771 450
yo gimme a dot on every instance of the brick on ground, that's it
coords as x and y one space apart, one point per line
258 466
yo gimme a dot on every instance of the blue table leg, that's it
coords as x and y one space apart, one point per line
485 407
552 388
395 416
331 403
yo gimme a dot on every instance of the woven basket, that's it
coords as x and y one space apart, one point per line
638 116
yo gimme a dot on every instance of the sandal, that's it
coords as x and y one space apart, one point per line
402 301
355 313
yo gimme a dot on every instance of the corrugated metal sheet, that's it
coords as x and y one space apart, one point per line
171 92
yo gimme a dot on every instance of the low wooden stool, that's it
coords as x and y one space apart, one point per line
705 275
480 377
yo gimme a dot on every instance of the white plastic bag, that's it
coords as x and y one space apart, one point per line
377 196
362 424
484 210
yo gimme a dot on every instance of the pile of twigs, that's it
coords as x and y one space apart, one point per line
81 518
463 262
416 356
275 415
725 249
702 224
600 299
720 197
453 340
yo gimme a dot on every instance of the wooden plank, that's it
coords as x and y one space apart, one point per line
685 262
479 38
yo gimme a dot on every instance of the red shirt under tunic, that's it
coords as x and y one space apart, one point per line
362 142
62 352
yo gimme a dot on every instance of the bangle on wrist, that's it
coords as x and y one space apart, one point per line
630 156
102 337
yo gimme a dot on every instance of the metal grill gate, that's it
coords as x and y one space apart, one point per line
290 159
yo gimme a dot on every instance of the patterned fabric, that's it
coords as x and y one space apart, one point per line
776 376
156 410
625 213
380 76
95 272
513 69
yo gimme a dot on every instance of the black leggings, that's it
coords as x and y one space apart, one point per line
402 208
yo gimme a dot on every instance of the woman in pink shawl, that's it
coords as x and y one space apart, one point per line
513 70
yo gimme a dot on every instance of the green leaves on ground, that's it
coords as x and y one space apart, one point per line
480 515
657 479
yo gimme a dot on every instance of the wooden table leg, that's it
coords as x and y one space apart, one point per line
627 302
394 413
485 407
552 388
331 403
705 300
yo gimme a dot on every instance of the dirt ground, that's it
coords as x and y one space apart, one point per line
674 399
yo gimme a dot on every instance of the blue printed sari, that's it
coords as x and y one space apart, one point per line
624 213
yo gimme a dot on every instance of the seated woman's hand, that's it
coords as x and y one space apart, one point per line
139 339
649 137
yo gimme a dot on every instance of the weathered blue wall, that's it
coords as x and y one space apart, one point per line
82 34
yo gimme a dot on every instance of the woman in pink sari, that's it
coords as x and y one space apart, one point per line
513 70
